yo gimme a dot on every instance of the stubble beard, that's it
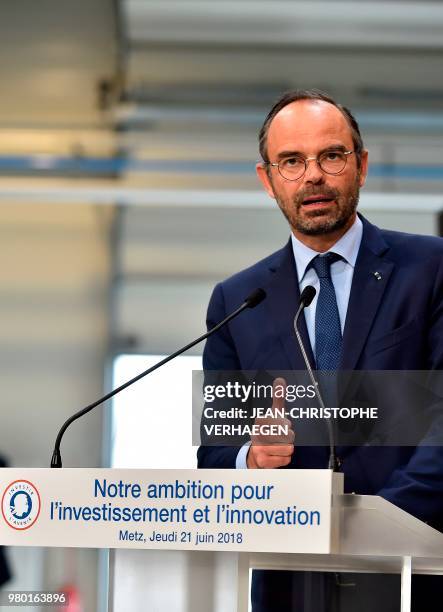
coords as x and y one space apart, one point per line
320 222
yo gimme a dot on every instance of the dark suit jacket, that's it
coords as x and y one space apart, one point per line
395 323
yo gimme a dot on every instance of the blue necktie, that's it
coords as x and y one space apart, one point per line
328 338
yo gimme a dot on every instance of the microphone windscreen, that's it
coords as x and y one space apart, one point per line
255 298
307 295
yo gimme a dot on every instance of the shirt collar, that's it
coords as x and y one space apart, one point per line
347 247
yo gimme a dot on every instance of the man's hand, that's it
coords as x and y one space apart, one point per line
272 451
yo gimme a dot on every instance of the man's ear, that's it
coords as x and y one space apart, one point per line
262 173
363 167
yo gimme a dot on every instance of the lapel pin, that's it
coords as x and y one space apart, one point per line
377 275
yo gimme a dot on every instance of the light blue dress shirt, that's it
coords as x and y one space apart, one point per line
341 275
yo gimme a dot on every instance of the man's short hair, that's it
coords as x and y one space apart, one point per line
309 94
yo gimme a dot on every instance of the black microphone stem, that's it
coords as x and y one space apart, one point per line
333 463
251 301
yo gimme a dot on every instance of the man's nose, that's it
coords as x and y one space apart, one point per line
313 172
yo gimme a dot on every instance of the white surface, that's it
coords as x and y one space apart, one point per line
152 420
284 511
406 584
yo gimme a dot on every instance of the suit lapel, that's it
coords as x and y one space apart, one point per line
371 276
366 294
283 300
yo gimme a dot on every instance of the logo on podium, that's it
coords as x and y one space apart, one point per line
20 504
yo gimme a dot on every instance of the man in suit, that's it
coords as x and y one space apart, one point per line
379 306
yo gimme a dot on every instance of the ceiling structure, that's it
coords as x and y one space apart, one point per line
171 94
200 76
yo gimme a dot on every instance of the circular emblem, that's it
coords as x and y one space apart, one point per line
20 504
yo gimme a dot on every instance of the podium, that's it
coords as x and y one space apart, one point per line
375 536
262 519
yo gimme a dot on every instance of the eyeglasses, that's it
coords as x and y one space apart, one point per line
293 168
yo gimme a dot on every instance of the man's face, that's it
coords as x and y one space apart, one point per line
307 128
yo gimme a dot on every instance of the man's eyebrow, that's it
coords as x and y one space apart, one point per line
335 147
284 154
292 153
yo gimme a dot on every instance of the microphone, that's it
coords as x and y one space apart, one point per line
307 295
306 298
254 299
